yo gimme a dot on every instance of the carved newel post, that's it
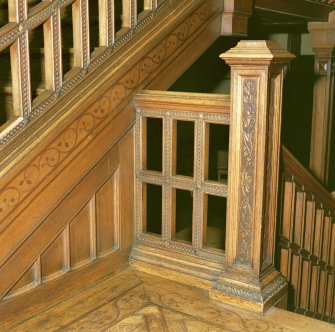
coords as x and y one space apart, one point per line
322 41
250 278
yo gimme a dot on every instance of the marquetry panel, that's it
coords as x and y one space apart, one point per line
307 242
176 167
53 43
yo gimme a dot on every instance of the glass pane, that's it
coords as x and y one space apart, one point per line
183 215
154 144
218 141
215 233
185 148
153 209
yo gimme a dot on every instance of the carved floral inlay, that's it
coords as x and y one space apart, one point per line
88 122
249 108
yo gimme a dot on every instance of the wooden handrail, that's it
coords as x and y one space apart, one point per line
293 168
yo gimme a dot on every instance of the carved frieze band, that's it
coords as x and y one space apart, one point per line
247 169
89 121
260 296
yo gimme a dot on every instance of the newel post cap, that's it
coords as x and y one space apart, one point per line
258 52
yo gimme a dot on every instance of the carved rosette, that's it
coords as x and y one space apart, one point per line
247 170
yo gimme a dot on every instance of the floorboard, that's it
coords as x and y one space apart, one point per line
136 301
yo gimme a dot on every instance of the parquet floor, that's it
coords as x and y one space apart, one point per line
135 301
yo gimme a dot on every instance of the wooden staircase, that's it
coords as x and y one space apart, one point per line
72 147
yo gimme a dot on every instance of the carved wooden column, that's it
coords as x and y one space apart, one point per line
322 40
235 17
250 278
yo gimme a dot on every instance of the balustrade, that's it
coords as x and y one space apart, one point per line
46 48
307 242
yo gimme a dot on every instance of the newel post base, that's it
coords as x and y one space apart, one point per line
250 278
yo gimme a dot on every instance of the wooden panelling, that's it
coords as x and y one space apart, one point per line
82 115
52 259
82 236
69 259
107 215
30 278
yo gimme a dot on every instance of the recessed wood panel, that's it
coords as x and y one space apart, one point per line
28 279
80 235
52 260
107 214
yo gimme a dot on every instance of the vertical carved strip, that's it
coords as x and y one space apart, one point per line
247 175
110 22
133 13
24 74
198 224
169 139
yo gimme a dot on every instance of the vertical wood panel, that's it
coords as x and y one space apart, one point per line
26 279
52 260
309 223
107 214
80 237
289 199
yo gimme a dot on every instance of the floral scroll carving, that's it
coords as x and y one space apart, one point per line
249 108
91 119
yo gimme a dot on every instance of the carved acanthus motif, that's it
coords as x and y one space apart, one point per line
247 170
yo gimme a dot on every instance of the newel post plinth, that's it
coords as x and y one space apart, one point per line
250 278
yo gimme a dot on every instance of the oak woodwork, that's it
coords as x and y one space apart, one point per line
201 109
250 276
297 11
307 246
67 192
322 41
235 17
50 246
135 300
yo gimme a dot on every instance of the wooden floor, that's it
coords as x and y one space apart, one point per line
135 301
